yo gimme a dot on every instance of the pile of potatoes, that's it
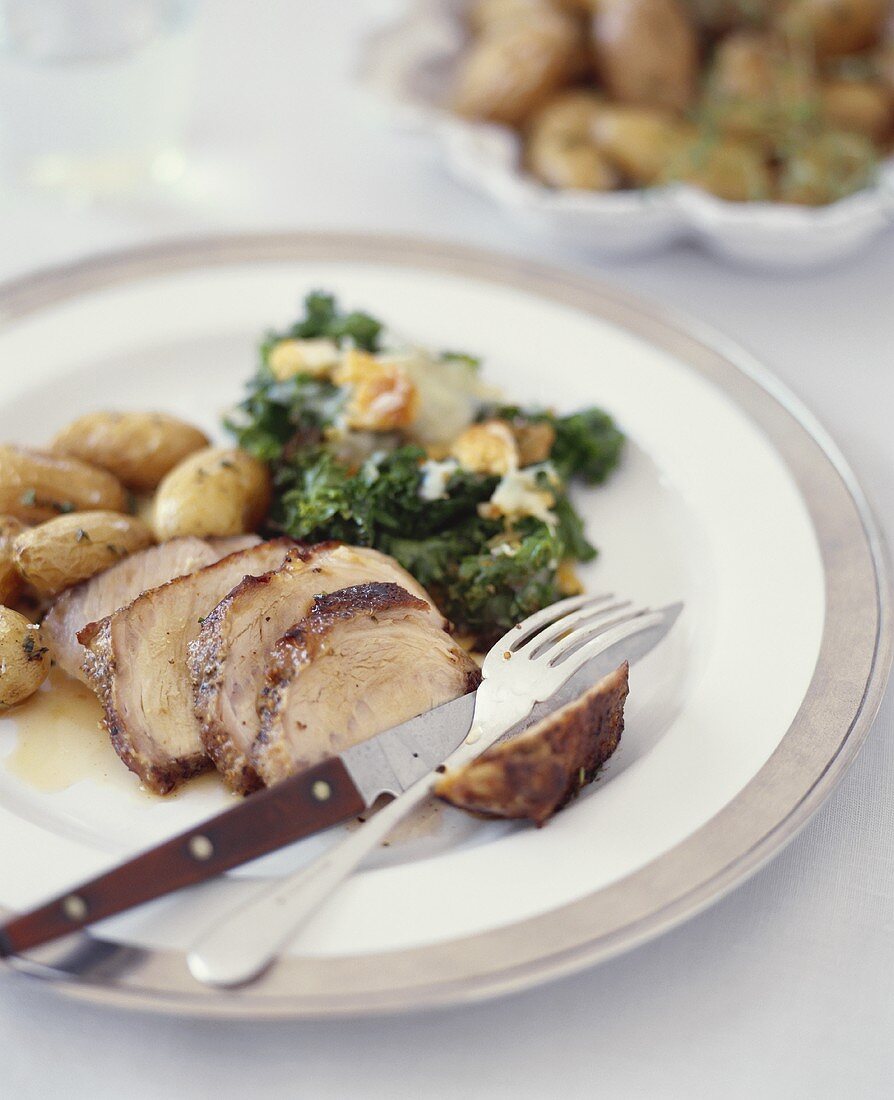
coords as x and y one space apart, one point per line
109 484
751 100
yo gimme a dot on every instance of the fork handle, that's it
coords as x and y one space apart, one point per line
244 942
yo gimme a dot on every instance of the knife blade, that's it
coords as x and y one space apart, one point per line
332 792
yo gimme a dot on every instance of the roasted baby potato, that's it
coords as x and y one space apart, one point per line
216 491
646 52
139 448
835 28
10 580
24 661
861 106
35 486
719 16
69 549
732 170
759 89
883 63
486 14
570 163
642 142
568 114
514 68
560 148
826 168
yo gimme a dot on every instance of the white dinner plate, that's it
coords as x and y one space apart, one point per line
730 498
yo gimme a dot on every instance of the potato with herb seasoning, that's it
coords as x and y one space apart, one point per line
514 68
69 549
35 486
883 66
24 661
561 151
861 106
835 28
731 169
646 52
10 580
759 89
485 14
720 16
215 492
139 448
641 142
826 168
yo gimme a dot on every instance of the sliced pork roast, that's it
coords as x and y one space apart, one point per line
101 595
366 658
229 657
136 662
535 773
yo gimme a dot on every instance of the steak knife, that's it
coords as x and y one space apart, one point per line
332 792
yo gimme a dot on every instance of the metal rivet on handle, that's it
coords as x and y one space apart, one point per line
74 907
200 847
321 790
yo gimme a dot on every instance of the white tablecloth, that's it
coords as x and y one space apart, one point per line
785 988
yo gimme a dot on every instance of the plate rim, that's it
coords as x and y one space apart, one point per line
758 822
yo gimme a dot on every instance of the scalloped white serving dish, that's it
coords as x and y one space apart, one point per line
407 64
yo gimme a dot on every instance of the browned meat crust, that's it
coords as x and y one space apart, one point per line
135 661
228 659
207 657
367 657
536 773
100 665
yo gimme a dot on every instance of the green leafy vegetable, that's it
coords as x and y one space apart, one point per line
275 414
323 319
322 498
485 571
588 443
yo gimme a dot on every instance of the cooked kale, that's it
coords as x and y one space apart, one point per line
461 357
484 576
323 319
485 573
588 443
275 414
322 498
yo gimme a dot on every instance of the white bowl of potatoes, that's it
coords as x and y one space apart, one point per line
760 128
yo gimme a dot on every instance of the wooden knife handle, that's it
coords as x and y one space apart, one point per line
295 808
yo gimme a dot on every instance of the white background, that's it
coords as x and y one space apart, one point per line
785 988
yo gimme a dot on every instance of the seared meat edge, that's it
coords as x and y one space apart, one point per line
101 667
539 771
310 639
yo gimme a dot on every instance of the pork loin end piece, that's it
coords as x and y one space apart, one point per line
366 658
536 773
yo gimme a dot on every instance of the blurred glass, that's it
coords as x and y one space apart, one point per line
94 93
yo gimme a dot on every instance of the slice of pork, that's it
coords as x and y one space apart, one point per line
365 659
101 595
537 772
229 544
229 657
136 663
